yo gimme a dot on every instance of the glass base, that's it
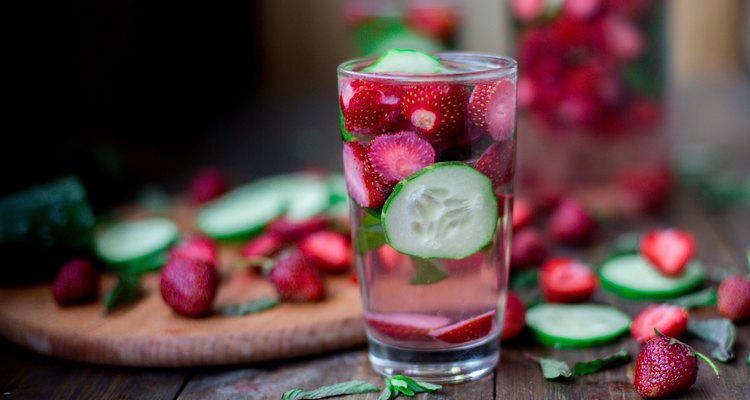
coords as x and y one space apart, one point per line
455 365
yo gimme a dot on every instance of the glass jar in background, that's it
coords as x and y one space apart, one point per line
591 93
428 25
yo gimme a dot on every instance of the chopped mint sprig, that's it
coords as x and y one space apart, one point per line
338 389
400 384
703 298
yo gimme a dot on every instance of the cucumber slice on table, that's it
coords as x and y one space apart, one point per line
137 244
576 325
247 209
446 210
632 276
407 61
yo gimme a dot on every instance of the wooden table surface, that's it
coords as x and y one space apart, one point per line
723 237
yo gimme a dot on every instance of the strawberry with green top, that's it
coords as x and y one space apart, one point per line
666 366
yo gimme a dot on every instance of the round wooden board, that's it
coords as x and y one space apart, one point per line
149 334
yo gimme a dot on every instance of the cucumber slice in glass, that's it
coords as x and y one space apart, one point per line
447 210
128 243
632 276
407 61
576 325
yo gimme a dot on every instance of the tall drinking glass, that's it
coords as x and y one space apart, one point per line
429 161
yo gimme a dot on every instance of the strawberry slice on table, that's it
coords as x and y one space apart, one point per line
295 279
396 156
405 326
330 251
565 280
498 162
369 108
437 111
290 231
364 184
492 107
669 319
466 330
669 250
514 319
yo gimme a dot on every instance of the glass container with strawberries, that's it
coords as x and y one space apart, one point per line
429 155
591 95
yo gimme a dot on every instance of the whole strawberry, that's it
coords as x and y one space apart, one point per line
527 249
295 279
189 286
196 247
733 298
76 282
666 366
570 223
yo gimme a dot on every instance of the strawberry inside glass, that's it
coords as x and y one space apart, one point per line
429 158
590 93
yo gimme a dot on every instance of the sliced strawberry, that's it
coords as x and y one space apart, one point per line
669 250
668 319
436 110
405 326
264 245
369 108
492 107
523 213
330 251
390 259
581 9
570 223
295 279
514 319
364 184
198 248
466 330
498 162
526 10
290 231
566 281
396 156
623 38
527 249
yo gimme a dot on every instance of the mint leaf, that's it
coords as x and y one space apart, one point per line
415 386
551 368
590 367
369 235
627 243
400 384
427 273
251 307
703 298
339 389
126 290
719 331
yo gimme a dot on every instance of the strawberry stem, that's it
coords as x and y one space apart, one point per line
706 359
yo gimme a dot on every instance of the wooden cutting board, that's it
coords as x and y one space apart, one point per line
150 334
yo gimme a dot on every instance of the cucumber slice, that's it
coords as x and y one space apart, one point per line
140 243
247 209
447 210
407 61
576 325
632 276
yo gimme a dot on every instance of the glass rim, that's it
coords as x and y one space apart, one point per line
494 66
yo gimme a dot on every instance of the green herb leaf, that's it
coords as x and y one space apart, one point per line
590 367
251 307
551 368
385 394
126 291
719 331
339 389
415 386
369 235
748 360
427 273
524 279
703 298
